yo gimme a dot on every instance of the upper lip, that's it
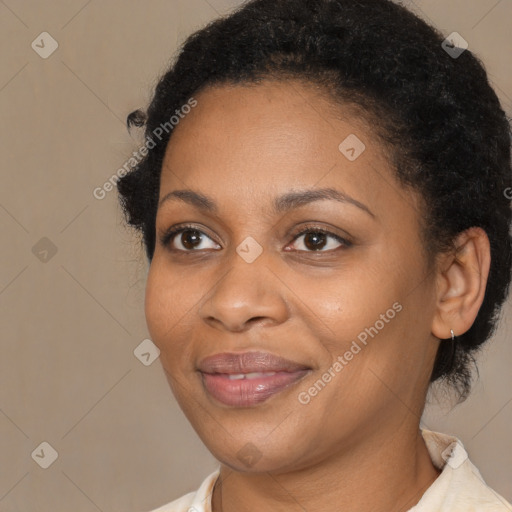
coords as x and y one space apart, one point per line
248 362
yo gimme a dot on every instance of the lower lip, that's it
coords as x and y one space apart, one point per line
248 392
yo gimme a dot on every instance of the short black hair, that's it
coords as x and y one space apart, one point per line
448 137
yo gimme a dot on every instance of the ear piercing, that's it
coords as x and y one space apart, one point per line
453 335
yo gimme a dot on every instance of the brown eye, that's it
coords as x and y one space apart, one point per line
314 240
186 239
190 238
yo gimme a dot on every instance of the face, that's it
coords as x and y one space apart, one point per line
293 310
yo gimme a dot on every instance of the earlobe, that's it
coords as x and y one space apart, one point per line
461 282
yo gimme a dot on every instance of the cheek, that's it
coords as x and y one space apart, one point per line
349 301
162 306
153 306
361 318
169 309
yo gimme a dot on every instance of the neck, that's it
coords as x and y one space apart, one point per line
389 472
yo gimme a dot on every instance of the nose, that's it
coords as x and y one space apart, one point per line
245 295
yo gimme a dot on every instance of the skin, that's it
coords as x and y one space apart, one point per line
356 445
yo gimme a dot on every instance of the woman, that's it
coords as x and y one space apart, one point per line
322 201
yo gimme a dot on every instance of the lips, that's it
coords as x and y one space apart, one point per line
248 362
247 379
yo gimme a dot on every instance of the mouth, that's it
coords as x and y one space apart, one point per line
248 379
246 390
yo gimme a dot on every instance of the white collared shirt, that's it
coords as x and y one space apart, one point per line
459 487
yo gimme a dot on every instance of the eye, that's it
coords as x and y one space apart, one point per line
316 238
191 239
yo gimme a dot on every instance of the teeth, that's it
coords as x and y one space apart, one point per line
253 375
236 376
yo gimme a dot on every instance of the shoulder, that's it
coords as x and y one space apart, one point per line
195 501
460 486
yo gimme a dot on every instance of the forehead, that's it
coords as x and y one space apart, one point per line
248 143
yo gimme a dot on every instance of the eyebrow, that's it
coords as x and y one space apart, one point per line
281 204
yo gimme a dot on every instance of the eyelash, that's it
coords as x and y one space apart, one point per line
172 232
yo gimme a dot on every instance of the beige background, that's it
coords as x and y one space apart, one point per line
70 324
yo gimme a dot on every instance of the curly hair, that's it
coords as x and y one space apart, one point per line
439 119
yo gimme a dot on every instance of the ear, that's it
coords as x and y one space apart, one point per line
461 282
